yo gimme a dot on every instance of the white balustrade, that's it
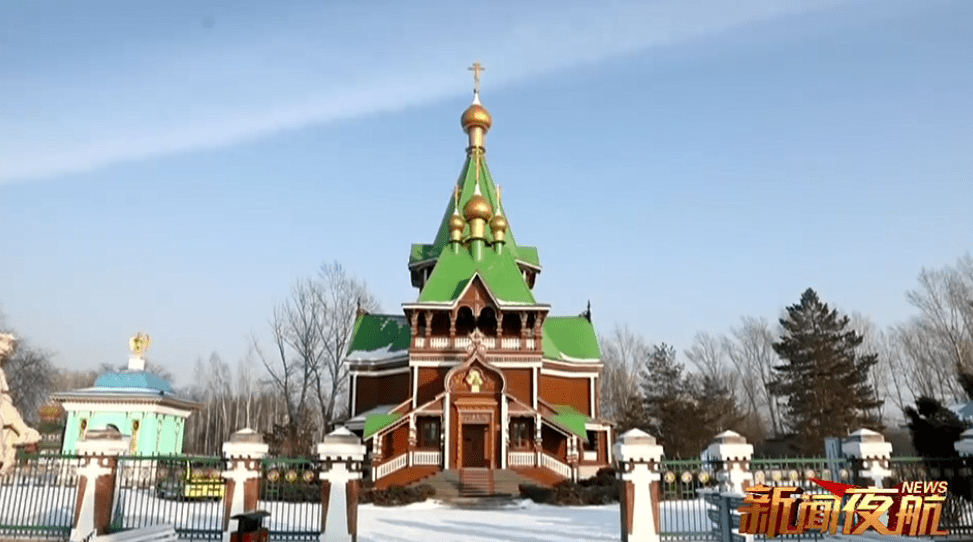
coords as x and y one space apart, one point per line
510 343
420 342
530 344
490 342
521 459
439 342
555 465
461 342
390 466
421 457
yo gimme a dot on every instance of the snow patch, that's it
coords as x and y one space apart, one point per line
375 355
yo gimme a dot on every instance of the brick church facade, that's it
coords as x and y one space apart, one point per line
476 374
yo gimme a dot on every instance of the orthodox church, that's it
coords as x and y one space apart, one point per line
477 374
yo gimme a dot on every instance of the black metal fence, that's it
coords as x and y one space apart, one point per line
957 471
683 511
290 489
38 497
182 490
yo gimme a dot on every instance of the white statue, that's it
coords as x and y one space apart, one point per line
13 431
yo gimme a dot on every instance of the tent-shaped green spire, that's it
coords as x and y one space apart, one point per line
474 171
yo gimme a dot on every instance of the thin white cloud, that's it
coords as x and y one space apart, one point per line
162 98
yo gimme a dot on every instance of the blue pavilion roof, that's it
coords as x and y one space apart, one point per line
133 379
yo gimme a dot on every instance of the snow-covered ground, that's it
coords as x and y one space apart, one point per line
523 521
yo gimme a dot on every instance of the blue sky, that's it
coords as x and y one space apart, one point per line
175 166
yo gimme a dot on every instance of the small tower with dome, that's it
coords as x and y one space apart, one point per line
141 405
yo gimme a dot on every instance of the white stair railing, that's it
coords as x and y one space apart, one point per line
420 457
556 465
390 466
521 459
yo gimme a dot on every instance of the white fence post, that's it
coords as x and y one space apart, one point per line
243 453
638 460
733 453
97 499
870 453
341 456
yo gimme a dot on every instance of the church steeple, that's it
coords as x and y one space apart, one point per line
476 120
474 219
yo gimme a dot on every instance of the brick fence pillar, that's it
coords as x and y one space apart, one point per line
243 453
99 449
637 462
869 454
341 454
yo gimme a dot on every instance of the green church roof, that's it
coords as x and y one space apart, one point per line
379 336
454 271
467 183
570 338
569 418
376 422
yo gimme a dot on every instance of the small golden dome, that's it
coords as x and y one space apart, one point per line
499 222
476 115
477 207
456 222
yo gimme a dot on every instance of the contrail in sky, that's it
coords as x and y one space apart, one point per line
155 97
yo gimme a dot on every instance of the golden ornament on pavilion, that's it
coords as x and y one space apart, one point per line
139 344
477 207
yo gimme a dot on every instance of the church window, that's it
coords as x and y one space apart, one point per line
465 322
487 322
429 429
421 325
520 433
440 324
511 324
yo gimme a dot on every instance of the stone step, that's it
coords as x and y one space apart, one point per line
453 484
475 482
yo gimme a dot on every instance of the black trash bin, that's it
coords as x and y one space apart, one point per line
250 527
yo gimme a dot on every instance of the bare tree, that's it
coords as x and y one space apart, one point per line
939 341
30 377
752 353
297 348
312 332
622 353
339 297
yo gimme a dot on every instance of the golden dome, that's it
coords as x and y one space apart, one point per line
456 222
499 222
476 115
477 207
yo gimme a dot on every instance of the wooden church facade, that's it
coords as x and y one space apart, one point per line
476 374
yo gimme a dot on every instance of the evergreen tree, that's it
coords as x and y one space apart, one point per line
684 411
824 381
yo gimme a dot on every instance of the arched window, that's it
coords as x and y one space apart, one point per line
464 322
421 325
440 324
511 324
487 322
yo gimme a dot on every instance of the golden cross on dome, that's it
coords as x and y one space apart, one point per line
476 68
